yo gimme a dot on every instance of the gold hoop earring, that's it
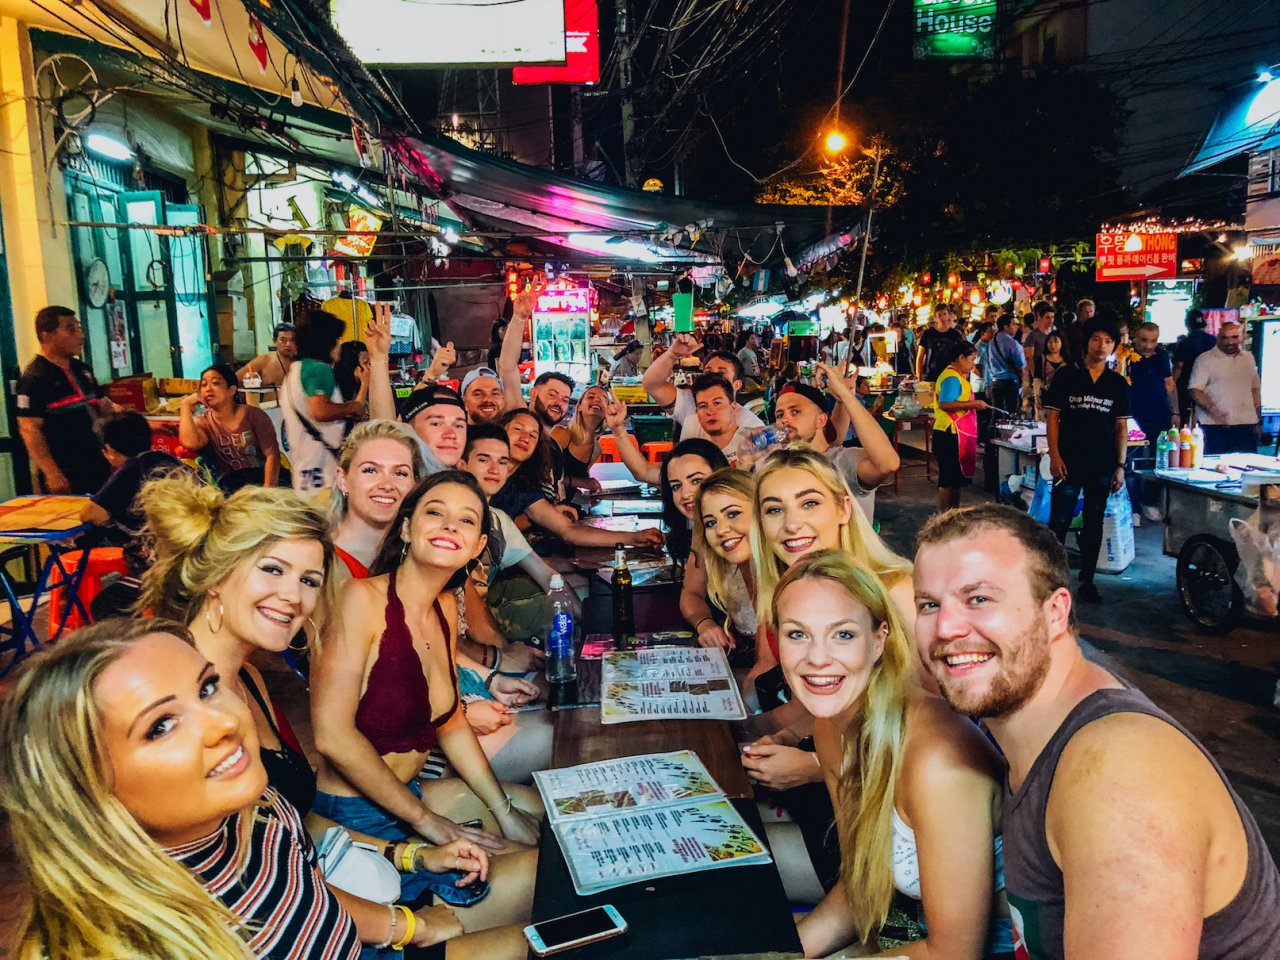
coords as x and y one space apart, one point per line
208 618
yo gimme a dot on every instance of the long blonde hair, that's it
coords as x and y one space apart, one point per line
101 888
872 748
736 483
201 537
362 434
857 537
579 434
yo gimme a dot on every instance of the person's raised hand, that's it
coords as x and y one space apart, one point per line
835 382
615 415
377 339
683 345
522 306
189 401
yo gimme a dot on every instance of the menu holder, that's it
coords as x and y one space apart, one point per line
640 818
668 683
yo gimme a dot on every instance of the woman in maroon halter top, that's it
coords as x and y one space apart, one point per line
384 691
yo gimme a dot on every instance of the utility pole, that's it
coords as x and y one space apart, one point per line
877 152
575 112
844 43
622 37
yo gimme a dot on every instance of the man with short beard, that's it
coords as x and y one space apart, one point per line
1122 836
1227 393
483 395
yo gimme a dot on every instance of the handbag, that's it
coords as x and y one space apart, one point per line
357 868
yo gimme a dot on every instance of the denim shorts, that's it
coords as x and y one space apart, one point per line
365 816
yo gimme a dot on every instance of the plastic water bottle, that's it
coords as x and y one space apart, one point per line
1162 450
765 438
562 665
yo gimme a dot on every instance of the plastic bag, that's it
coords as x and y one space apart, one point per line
1039 508
1257 541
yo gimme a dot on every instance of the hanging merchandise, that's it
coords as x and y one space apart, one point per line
258 42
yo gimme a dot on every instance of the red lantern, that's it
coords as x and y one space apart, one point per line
952 280
1046 265
926 278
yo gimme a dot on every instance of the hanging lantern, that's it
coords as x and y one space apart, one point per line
952 280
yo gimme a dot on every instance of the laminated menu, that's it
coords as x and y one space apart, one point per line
644 817
672 683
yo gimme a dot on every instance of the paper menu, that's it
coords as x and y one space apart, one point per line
669 682
607 846
629 783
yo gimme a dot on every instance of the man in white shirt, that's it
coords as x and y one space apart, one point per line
715 416
801 409
681 402
1227 393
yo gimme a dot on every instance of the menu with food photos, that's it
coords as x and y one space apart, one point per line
643 817
671 683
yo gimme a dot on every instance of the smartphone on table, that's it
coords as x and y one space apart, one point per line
575 930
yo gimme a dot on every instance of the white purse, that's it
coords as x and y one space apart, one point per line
357 868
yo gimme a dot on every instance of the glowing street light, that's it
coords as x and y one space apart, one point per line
836 142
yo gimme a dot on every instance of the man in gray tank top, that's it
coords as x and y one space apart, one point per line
1122 837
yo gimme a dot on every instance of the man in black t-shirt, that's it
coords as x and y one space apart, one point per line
58 400
1087 415
938 343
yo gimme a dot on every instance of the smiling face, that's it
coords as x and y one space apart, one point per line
380 477
445 529
980 630
266 600
182 753
827 647
593 402
726 523
214 391
524 432
490 463
684 475
800 415
799 515
550 401
443 428
484 400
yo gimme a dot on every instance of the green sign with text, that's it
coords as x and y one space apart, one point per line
954 30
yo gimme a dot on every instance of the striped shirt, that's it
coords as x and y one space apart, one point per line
275 886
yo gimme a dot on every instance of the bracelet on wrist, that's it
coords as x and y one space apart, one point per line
407 856
506 806
389 851
701 622
391 931
411 924
488 680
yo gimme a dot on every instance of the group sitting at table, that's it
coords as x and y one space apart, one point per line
958 780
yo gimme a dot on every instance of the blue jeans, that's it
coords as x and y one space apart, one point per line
365 816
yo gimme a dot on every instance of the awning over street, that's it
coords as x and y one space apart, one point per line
599 221
1248 122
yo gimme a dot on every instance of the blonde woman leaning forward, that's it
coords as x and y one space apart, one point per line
916 787
143 822
384 691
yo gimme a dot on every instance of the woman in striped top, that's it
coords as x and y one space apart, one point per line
141 816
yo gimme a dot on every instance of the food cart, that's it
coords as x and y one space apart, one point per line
1199 506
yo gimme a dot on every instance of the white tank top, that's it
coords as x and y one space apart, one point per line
906 860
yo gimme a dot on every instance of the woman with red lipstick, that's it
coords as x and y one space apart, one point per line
157 836
385 692
916 788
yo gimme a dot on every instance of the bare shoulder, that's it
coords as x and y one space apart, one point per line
940 741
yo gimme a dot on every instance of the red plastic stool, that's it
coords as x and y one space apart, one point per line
656 449
102 561
609 448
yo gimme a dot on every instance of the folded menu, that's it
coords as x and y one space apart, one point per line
671 683
639 818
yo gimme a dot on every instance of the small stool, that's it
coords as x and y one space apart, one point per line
655 450
102 561
609 448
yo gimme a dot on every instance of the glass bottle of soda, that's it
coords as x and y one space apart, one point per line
624 614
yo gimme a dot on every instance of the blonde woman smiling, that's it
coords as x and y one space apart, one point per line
916 787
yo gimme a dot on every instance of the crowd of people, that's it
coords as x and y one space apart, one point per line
959 780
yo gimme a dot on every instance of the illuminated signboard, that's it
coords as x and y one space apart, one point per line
954 29
582 49
562 331
457 33
366 224
1136 256
565 300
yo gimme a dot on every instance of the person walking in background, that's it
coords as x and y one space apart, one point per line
1086 419
748 343
937 342
1033 347
1006 359
1195 342
58 401
1227 393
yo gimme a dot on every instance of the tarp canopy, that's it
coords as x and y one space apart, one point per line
1248 122
582 219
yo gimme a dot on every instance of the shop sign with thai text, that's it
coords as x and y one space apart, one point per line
1137 256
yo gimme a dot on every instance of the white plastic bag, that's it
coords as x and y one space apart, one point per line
1257 542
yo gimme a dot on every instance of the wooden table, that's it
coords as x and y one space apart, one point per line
924 420
738 910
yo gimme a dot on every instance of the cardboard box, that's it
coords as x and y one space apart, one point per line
137 393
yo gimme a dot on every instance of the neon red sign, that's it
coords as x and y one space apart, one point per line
581 45
566 299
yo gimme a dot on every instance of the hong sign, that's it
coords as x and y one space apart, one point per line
581 45
1137 256
954 29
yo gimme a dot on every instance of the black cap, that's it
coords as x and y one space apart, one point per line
429 396
810 393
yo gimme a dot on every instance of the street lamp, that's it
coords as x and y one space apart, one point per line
877 152
836 142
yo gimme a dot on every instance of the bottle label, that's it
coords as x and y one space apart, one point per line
560 642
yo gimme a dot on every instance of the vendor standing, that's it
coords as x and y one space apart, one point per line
1087 422
58 403
1227 394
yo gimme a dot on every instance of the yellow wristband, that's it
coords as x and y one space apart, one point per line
411 925
406 857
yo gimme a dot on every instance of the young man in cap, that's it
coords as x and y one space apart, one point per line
439 420
483 395
1122 836
802 409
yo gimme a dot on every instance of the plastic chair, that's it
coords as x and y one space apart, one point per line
101 562
655 450
609 448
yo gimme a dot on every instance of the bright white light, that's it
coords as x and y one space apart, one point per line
812 300
367 195
1242 253
108 147
613 247
1265 76
451 235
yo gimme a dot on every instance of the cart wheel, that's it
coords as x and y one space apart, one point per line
1206 582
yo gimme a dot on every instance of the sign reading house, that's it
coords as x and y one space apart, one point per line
954 29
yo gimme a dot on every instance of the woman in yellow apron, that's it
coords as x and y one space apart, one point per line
955 425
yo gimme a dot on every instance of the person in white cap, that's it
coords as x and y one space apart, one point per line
482 395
